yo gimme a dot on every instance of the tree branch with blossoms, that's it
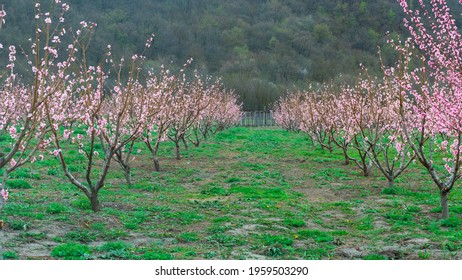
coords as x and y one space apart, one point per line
433 91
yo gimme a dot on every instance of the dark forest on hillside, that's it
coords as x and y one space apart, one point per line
260 48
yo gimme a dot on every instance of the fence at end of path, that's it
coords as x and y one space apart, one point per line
257 118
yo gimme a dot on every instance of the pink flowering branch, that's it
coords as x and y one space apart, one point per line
286 112
112 120
313 108
222 110
161 93
22 115
436 107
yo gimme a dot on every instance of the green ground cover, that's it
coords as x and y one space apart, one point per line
248 193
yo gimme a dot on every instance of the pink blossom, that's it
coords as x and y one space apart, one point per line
448 168
13 131
4 194
67 133
56 152
398 147
444 145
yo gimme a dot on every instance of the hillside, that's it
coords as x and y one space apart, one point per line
260 48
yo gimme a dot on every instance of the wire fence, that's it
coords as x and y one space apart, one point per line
257 118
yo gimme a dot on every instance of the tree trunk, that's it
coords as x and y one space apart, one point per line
156 163
1 247
347 158
391 182
94 202
185 143
366 169
3 182
128 175
155 158
444 205
177 148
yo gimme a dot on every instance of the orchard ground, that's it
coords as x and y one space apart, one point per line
248 193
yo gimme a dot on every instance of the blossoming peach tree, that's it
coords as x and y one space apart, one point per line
434 91
22 119
380 130
112 120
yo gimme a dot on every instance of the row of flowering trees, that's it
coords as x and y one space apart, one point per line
68 96
413 112
361 120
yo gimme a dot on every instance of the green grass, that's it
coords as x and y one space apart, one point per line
375 257
81 235
10 255
269 240
316 235
294 222
18 184
188 237
245 193
71 251
56 208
